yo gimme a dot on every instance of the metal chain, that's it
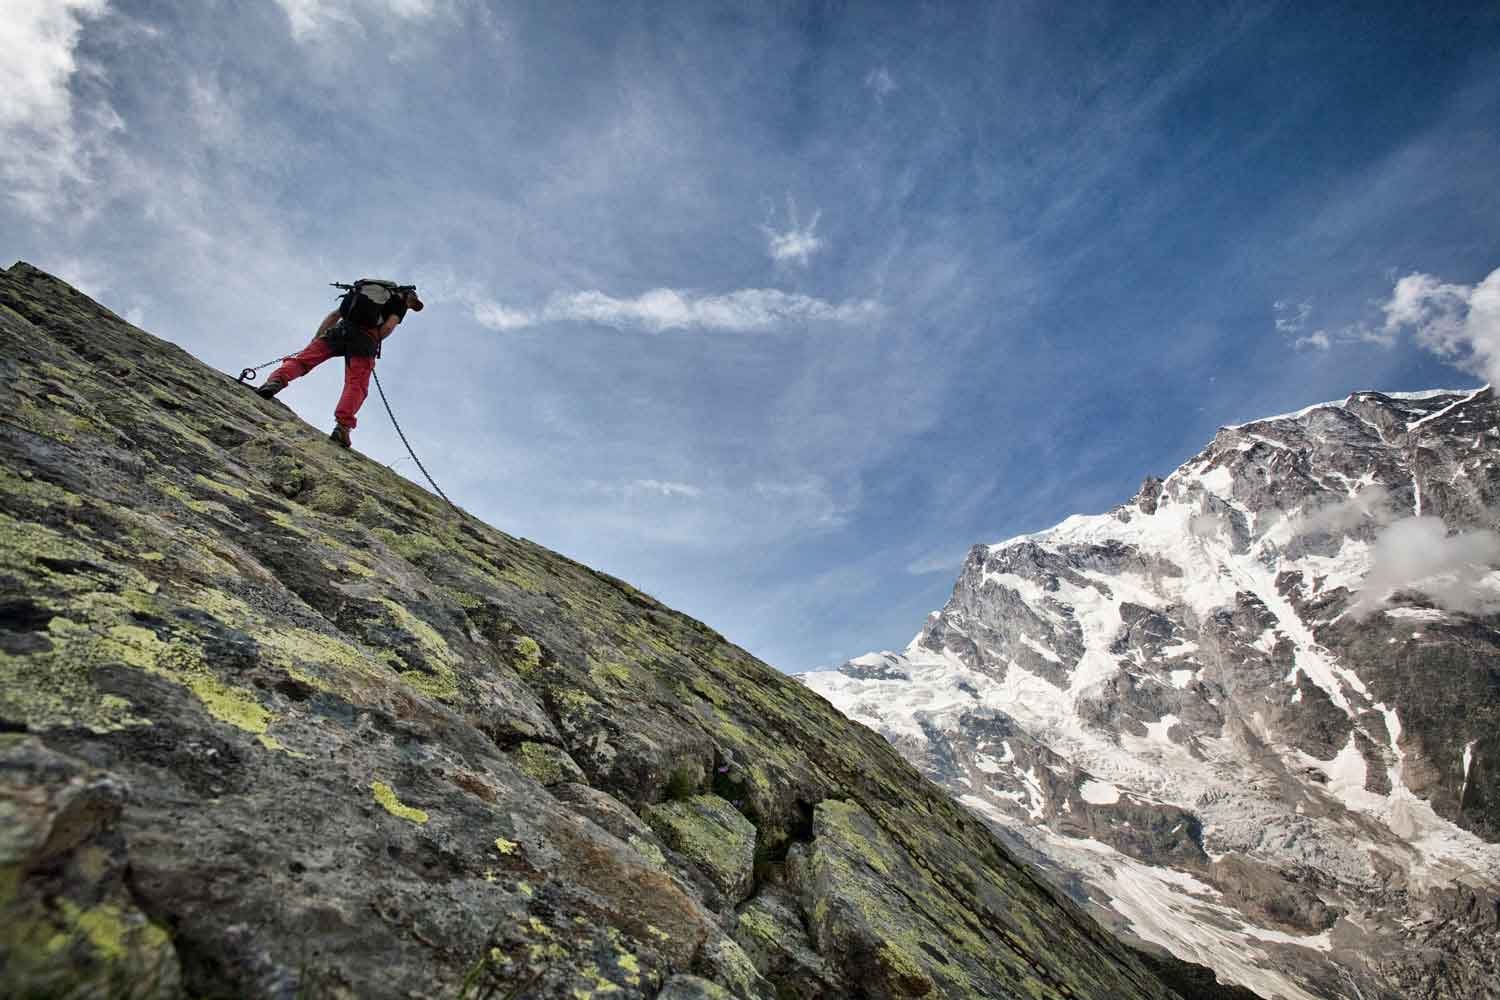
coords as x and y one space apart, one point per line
248 374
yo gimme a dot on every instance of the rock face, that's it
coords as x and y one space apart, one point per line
1253 715
275 722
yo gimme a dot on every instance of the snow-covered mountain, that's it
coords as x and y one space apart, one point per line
1253 715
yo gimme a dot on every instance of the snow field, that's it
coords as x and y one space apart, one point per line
1239 796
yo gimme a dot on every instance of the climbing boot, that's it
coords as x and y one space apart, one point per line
340 436
270 389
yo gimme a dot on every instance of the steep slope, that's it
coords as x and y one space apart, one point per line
275 722
1252 716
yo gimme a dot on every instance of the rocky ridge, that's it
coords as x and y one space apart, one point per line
1252 716
276 722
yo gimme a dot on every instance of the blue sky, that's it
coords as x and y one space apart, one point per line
774 309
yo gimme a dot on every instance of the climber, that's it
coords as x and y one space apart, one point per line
367 314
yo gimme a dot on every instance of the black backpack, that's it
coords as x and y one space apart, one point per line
365 303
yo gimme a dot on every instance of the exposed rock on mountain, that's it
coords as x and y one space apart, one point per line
1253 715
275 722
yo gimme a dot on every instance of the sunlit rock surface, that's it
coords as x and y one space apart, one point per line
275 722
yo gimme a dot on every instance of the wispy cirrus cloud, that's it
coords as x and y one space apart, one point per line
635 488
1291 320
947 561
745 311
813 498
797 243
666 488
727 512
311 19
1291 317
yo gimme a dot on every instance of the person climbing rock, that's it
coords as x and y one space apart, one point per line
368 313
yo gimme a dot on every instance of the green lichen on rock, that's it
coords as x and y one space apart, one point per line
438 677
648 850
714 836
68 923
694 988
225 488
528 655
386 796
724 961
548 764
54 684
849 897
111 932
770 930
184 664
102 951
609 672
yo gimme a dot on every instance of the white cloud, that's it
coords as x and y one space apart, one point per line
1455 572
1291 322
497 317
1460 323
661 309
45 142
796 244
39 38
1419 299
1373 504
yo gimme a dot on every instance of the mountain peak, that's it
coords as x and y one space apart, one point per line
1256 696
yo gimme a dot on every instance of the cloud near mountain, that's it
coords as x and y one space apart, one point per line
1459 323
1457 572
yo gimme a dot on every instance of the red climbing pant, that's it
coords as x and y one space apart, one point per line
357 371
